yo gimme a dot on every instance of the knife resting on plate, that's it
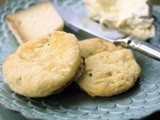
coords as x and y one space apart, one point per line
113 36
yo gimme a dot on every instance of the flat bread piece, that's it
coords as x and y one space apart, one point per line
34 22
130 17
109 72
41 67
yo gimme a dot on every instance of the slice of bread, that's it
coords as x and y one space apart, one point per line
35 22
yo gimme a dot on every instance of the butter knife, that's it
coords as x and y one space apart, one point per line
113 36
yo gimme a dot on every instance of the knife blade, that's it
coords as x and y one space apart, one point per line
110 35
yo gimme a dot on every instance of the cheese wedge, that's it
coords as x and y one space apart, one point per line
35 22
131 17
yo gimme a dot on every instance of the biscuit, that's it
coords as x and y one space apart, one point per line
34 22
109 72
41 67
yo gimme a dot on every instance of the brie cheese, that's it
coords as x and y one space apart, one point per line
131 17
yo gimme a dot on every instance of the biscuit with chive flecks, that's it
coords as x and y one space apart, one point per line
110 69
41 67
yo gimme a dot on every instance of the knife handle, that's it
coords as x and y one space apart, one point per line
145 47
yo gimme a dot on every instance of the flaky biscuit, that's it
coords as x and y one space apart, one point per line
34 22
109 72
41 67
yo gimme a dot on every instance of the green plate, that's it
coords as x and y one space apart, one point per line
140 101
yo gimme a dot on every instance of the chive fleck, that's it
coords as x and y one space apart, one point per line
90 74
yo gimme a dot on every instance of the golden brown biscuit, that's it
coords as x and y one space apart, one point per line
110 72
41 67
34 22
